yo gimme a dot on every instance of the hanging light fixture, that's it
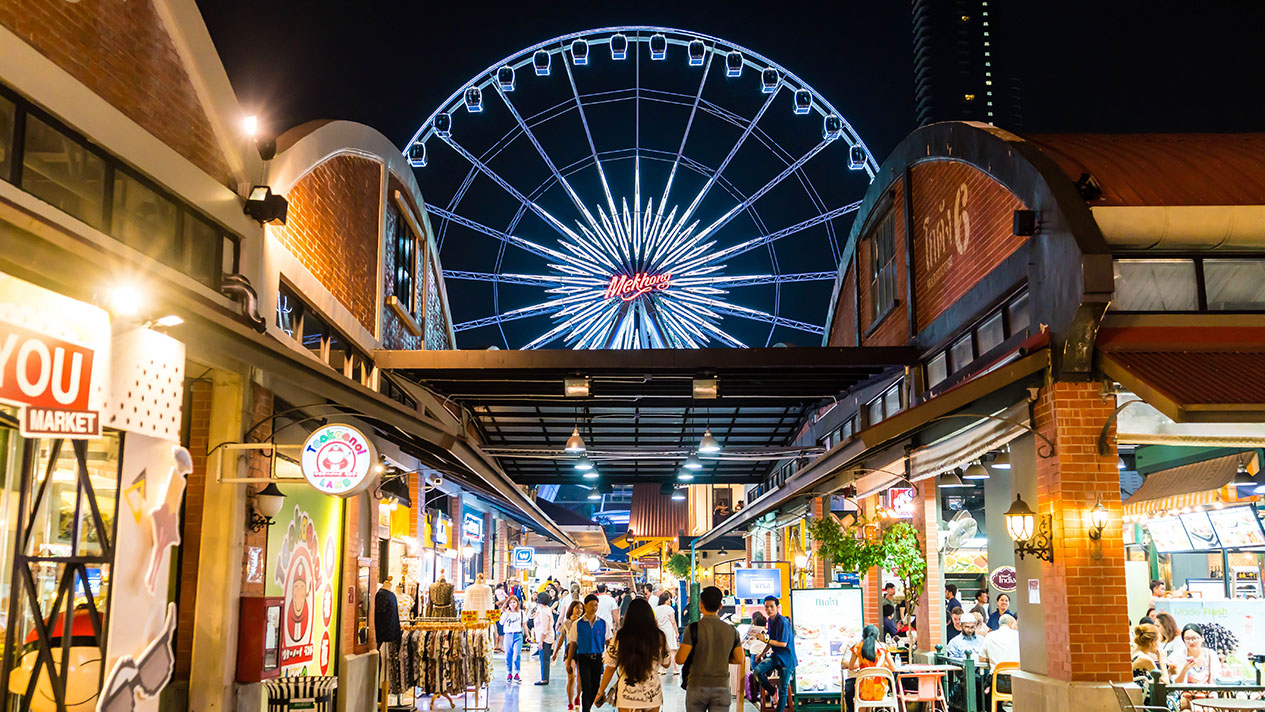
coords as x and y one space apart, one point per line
591 474
693 463
575 443
584 464
951 479
976 471
707 445
1002 461
684 475
678 495
594 495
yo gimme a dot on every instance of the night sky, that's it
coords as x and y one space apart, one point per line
1084 66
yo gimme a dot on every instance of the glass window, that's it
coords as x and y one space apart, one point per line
990 334
937 369
60 171
1155 285
7 112
405 262
315 334
891 402
1018 315
875 411
11 481
882 268
1235 285
848 427
145 221
201 242
289 312
961 354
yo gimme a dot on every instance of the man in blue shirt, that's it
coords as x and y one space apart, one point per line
950 601
586 651
779 655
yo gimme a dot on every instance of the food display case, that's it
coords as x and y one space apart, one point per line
828 621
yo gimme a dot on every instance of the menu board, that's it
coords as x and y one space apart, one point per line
1168 534
828 621
1199 529
1237 526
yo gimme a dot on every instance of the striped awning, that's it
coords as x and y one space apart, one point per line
1199 483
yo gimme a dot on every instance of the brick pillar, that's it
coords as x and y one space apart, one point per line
354 543
819 563
750 547
872 580
258 465
930 609
1086 613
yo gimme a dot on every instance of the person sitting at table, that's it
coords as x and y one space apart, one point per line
1202 666
981 622
1171 641
889 625
954 628
968 641
1003 608
1002 645
1148 655
868 653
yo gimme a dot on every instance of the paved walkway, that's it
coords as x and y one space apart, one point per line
528 697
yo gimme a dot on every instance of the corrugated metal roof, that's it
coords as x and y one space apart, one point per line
1187 479
1199 377
1164 169
655 515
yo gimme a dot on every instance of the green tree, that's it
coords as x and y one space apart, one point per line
903 556
678 565
852 548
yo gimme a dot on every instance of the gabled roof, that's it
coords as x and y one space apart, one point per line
1164 169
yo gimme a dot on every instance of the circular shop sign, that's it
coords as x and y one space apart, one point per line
337 460
1004 579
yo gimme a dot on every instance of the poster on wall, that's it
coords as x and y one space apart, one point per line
828 621
303 553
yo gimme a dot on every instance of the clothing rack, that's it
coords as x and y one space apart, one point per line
424 623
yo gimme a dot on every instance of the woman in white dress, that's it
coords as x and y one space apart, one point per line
633 655
665 617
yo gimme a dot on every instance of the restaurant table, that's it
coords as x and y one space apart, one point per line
1216 703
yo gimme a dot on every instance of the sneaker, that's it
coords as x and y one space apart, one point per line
542 682
517 678
509 678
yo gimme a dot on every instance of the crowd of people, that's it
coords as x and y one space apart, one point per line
619 647
1178 654
989 636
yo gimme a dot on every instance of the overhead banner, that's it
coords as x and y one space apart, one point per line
54 360
303 563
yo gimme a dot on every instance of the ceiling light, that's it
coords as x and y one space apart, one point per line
1002 461
584 464
250 125
951 479
975 471
169 321
575 443
576 387
1120 464
678 495
125 300
707 444
591 475
685 475
693 463
594 495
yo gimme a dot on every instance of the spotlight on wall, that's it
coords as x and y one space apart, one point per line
575 386
264 207
250 125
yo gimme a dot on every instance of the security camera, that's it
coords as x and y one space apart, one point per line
433 479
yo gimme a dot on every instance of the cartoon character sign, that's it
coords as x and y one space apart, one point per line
303 569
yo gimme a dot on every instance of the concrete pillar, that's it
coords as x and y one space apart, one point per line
1085 621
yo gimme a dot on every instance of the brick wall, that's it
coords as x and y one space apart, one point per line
332 228
843 328
395 335
1086 610
819 571
258 465
930 609
121 51
191 537
892 329
962 231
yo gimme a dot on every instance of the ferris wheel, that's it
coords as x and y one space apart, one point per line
639 187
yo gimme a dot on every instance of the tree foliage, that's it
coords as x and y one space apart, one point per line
864 545
903 556
678 565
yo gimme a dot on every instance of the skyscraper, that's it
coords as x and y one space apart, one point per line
959 64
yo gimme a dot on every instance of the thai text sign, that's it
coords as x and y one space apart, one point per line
630 286
54 357
336 460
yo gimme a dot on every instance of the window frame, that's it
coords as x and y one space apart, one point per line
880 276
402 227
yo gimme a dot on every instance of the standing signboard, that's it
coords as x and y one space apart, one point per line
304 548
828 622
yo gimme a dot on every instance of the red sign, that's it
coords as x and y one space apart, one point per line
39 370
629 287
1004 579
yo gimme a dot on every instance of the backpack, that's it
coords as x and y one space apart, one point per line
689 659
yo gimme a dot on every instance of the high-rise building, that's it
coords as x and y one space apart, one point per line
959 64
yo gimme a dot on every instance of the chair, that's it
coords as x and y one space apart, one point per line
999 670
766 700
1126 702
930 689
889 701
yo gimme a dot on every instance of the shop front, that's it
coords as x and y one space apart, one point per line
93 483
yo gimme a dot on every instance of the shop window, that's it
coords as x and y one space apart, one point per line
1235 285
201 247
11 481
1155 285
961 353
886 405
62 172
405 263
874 411
315 335
1018 316
991 333
8 112
892 401
144 220
937 369
847 431
882 268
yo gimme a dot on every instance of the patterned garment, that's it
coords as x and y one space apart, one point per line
394 685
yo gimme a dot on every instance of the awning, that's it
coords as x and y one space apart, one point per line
1186 485
968 444
883 442
1194 386
587 541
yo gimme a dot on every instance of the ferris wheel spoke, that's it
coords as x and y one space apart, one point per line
588 133
518 242
533 279
778 234
487 171
755 279
754 314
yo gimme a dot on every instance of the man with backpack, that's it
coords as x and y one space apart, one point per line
708 647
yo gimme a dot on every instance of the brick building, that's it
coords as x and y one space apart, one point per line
1049 282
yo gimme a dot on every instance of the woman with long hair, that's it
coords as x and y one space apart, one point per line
665 616
513 621
566 637
633 654
1170 640
1148 655
1202 665
867 654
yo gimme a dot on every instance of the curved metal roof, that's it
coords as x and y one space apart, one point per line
1164 169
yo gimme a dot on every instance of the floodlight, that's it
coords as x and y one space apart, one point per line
264 207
